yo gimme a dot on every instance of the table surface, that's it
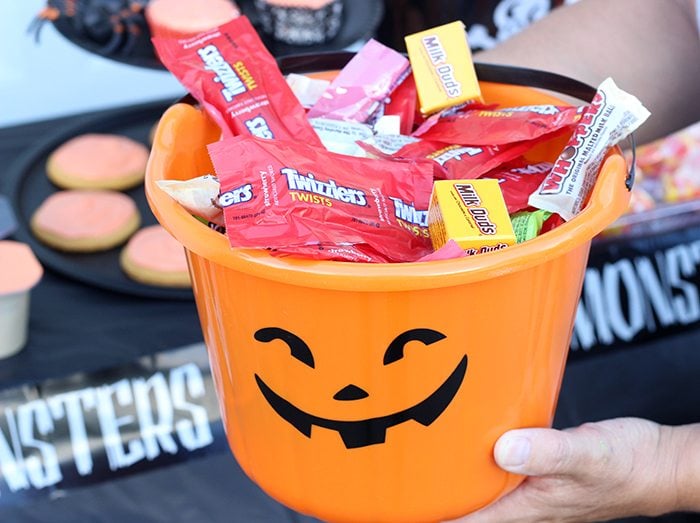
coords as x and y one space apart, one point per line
76 328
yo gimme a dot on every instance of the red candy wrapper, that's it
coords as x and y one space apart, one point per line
234 77
427 122
551 223
457 162
359 253
518 181
285 194
477 126
403 103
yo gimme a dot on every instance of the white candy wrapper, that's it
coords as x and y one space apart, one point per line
340 136
390 143
307 90
198 195
612 116
388 124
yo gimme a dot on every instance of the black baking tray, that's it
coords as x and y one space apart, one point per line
360 20
29 187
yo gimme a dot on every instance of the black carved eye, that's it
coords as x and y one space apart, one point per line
299 349
395 350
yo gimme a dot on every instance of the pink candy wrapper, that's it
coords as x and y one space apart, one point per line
449 251
363 85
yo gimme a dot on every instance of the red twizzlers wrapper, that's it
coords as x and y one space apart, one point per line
235 78
282 194
498 127
518 180
458 162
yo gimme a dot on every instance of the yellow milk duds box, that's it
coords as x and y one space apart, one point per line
442 67
471 212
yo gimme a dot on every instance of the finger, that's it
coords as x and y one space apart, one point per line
538 452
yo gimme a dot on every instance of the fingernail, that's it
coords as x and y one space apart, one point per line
513 452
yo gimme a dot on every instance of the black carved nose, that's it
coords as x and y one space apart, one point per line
349 393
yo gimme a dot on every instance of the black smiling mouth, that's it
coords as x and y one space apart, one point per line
363 433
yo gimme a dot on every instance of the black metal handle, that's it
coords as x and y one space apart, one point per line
506 74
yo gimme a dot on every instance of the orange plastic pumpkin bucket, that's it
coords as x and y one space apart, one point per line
375 392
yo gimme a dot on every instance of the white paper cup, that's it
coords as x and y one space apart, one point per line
20 271
14 319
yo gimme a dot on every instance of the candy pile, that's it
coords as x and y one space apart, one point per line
668 168
394 160
666 194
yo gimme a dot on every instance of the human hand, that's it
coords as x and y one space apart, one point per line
595 472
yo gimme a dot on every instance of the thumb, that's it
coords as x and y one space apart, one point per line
538 452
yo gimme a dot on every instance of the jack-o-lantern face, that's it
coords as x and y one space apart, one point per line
361 433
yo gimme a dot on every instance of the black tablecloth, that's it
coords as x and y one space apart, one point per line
75 327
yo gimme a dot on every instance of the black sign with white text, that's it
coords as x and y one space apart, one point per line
638 289
93 427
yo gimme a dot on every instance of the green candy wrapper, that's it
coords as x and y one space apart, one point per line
527 225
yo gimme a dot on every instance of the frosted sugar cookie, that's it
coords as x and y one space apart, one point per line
98 161
154 257
178 19
85 220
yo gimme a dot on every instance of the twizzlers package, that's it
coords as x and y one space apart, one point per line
498 127
236 79
282 194
456 162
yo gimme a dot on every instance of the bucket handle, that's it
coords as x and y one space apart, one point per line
505 74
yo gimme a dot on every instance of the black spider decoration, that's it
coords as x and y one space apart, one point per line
112 27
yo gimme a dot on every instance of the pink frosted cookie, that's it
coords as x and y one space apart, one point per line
154 257
98 161
85 220
175 18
